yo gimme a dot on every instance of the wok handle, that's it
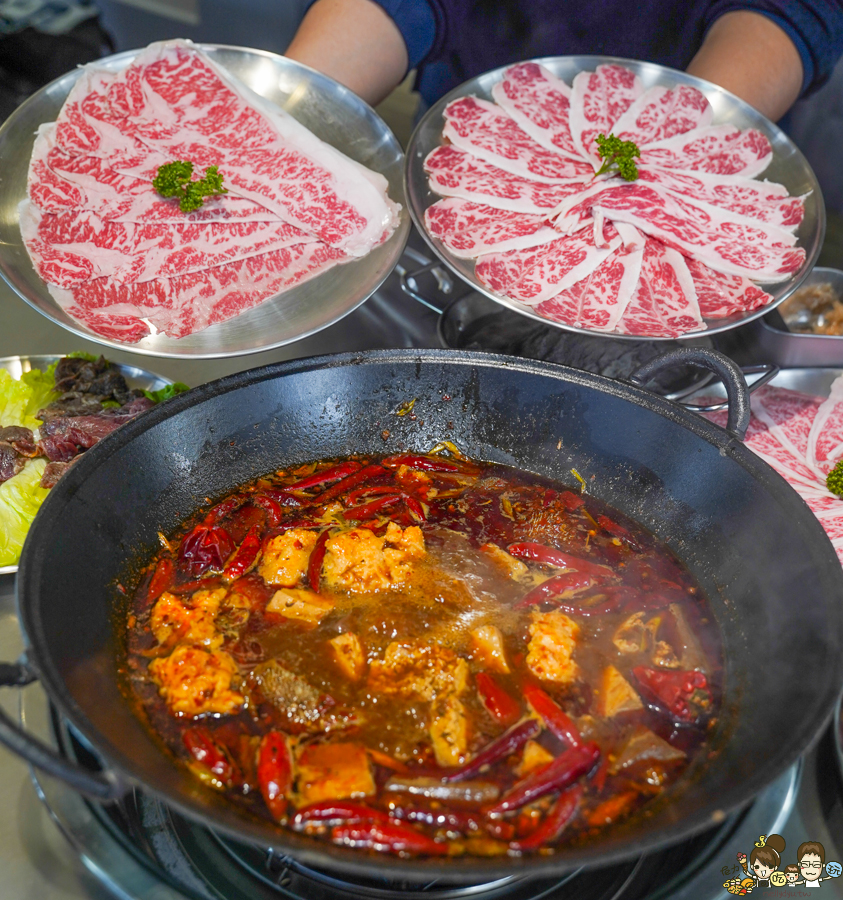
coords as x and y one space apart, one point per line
97 785
410 285
725 369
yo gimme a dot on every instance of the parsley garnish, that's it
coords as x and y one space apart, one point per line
615 152
173 180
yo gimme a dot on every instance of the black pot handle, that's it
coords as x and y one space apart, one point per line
97 785
728 372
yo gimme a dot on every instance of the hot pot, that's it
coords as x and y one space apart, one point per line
773 579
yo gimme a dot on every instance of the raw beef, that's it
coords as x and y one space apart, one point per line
722 240
665 301
482 129
761 200
789 416
174 100
75 246
186 304
534 275
719 149
721 295
661 113
124 261
689 238
455 173
539 102
598 301
825 438
598 100
469 229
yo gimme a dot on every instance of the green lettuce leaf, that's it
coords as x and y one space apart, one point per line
20 499
20 400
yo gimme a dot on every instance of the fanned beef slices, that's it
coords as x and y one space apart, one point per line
117 256
698 230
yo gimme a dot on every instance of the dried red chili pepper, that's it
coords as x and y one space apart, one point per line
370 491
570 765
550 556
317 557
464 822
499 749
553 587
557 721
161 579
497 701
555 822
205 547
245 555
368 510
617 531
388 838
335 812
275 772
273 509
200 584
334 473
348 482
208 753
422 463
221 510
685 694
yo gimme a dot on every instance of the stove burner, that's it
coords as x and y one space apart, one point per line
473 322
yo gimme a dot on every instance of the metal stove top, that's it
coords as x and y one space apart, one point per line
55 846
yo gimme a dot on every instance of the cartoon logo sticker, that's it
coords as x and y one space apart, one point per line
761 869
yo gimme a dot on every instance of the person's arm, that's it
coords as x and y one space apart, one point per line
356 43
751 56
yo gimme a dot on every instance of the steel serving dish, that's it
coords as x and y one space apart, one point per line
788 167
137 378
332 112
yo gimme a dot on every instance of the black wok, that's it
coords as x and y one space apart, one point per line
774 581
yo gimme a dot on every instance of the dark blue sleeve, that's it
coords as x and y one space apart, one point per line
814 26
415 21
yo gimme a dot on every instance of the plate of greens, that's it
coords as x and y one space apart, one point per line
53 408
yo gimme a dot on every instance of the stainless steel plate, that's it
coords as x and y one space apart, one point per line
329 110
137 378
788 167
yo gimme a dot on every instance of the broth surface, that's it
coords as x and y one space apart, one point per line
424 655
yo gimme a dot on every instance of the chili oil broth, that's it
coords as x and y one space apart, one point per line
456 589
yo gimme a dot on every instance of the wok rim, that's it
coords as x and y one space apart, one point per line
318 853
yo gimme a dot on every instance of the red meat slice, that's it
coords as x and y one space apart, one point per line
665 302
539 102
719 149
485 131
825 438
469 229
537 274
598 100
598 301
71 247
722 295
661 113
789 415
189 303
455 173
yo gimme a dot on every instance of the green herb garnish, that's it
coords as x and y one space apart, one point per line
173 179
620 154
834 479
165 393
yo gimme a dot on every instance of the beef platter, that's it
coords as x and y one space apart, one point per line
608 206
134 242
425 655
